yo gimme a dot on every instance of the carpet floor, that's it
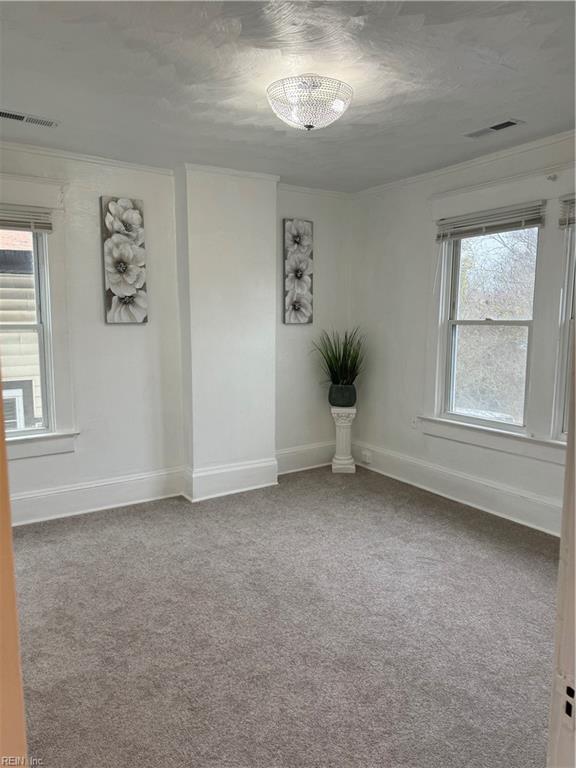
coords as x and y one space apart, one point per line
332 621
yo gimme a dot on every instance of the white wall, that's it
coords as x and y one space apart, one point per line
126 380
205 396
198 400
233 297
304 426
392 299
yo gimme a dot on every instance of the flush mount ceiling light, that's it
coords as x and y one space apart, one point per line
309 101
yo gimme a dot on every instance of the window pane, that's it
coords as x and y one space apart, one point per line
17 280
490 372
496 276
21 380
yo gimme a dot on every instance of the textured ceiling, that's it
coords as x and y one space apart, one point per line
163 82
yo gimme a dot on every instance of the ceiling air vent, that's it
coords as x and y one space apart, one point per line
22 117
11 115
494 128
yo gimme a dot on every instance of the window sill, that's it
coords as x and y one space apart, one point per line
46 444
551 451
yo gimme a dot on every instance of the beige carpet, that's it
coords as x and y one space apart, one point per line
329 622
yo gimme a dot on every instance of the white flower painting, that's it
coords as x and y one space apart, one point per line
298 271
124 251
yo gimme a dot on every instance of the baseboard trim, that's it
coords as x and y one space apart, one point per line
82 498
93 496
304 457
226 479
540 512
187 483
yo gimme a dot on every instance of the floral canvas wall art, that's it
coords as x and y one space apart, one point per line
124 253
298 271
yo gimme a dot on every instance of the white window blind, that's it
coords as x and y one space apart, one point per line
28 217
567 206
493 220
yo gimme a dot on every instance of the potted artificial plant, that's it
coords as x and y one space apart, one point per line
342 356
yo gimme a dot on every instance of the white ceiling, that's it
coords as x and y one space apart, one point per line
164 82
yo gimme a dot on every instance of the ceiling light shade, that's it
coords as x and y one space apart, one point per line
309 101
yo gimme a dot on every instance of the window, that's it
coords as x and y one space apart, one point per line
567 220
490 264
24 332
491 303
499 351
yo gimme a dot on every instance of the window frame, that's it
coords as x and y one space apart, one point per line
43 328
451 260
568 330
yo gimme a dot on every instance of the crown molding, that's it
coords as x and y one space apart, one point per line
548 171
219 170
33 149
375 191
492 157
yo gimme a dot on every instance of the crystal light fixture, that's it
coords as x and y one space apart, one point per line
309 101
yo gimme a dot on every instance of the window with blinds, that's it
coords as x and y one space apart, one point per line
25 217
526 215
492 256
24 328
494 371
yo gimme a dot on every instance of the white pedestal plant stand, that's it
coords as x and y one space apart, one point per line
343 418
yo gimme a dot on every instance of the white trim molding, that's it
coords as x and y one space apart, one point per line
490 157
540 512
518 444
282 187
94 495
45 444
222 171
226 479
187 483
68 500
302 457
35 149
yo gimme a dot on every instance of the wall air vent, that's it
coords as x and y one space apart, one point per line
22 117
494 128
